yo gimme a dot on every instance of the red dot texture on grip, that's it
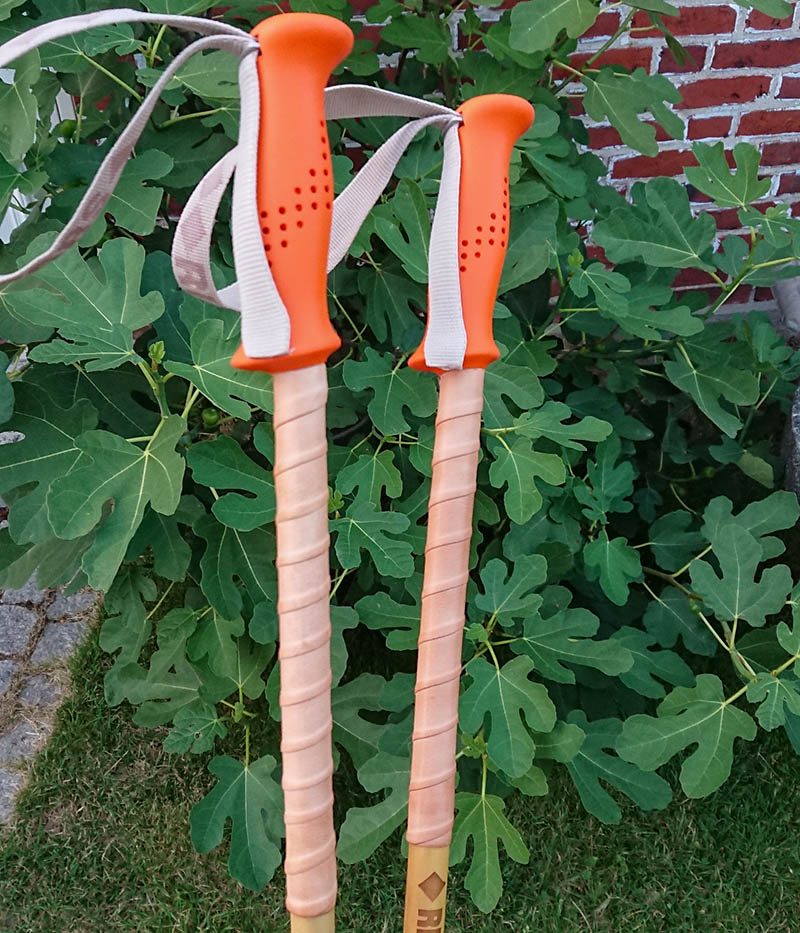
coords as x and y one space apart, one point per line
492 124
297 54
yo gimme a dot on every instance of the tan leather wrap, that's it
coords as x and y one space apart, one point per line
455 463
301 525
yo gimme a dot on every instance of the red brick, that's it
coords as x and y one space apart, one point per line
711 293
790 86
763 294
712 19
671 162
727 220
789 184
630 58
595 252
605 25
691 277
696 58
601 137
713 91
795 211
771 53
769 121
758 20
780 154
709 127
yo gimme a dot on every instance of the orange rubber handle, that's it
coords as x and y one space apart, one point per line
492 124
294 177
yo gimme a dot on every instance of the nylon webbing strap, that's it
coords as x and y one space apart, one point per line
265 321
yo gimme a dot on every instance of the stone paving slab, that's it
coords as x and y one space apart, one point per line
39 631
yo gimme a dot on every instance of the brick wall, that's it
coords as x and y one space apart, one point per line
742 85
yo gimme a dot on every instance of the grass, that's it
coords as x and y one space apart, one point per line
101 845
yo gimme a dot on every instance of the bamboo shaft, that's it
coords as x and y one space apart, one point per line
426 889
301 527
322 924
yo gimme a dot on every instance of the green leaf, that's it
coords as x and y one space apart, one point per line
616 563
126 627
736 594
195 731
46 452
619 98
363 527
609 287
113 468
658 229
395 388
510 596
167 542
593 764
19 108
360 736
371 475
777 512
535 25
565 637
228 388
230 556
480 817
649 665
170 682
548 421
709 384
505 381
404 226
250 798
510 701
689 716
391 300
516 466
365 828
427 34
133 205
669 616
611 482
95 307
216 638
724 187
223 464
532 234
380 611
671 541
777 696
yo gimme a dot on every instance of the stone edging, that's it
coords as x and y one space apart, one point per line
39 631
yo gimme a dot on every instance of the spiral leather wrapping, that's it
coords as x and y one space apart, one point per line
301 525
455 464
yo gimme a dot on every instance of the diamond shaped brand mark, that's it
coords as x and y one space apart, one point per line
432 886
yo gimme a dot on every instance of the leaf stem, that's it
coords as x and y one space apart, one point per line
110 74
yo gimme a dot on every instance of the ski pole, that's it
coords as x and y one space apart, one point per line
491 125
294 197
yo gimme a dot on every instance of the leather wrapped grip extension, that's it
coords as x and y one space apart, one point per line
492 124
295 180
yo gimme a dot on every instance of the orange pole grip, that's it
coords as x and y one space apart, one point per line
294 177
492 124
